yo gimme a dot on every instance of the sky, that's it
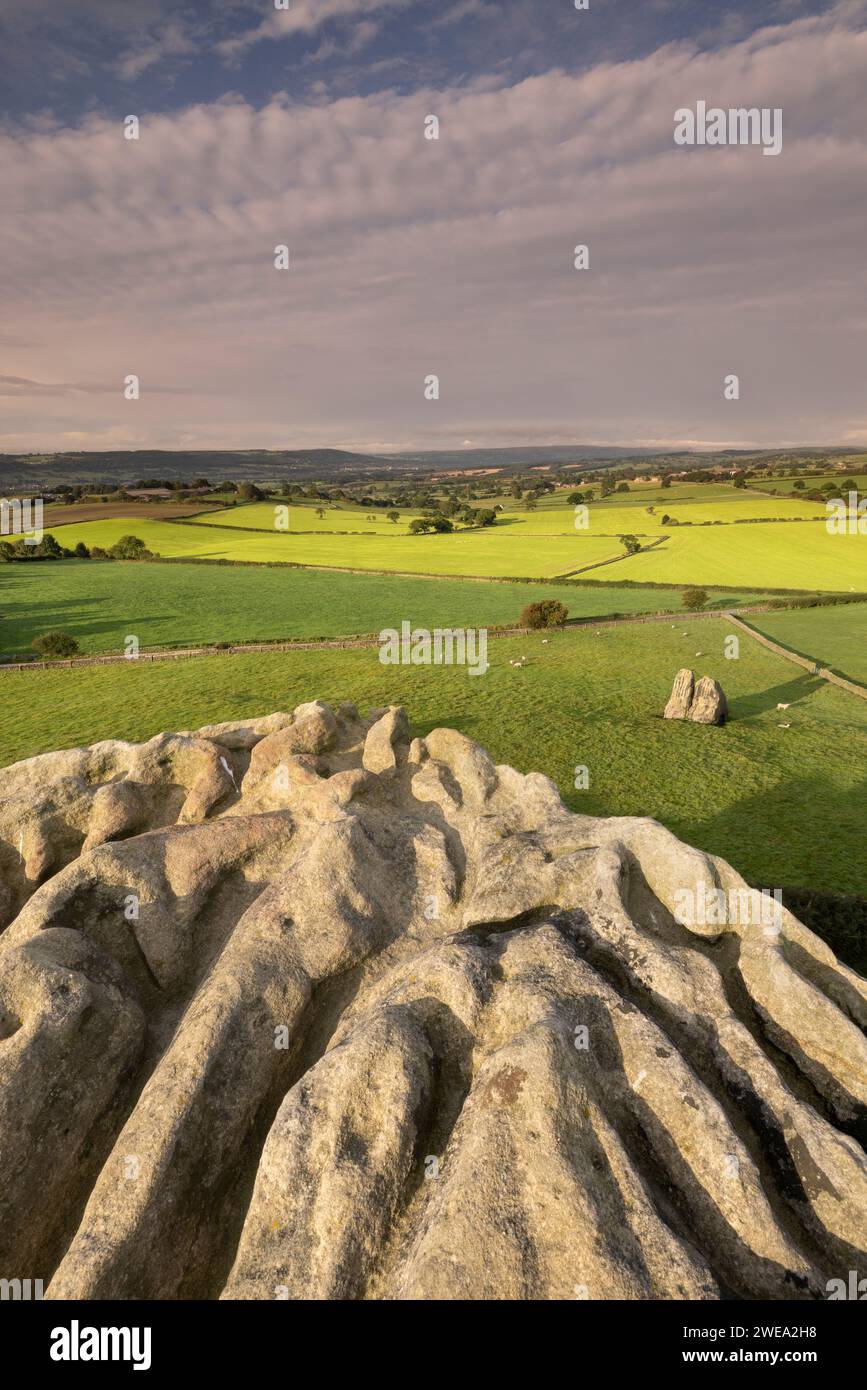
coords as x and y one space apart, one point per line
409 258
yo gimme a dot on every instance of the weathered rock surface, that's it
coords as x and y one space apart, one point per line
295 1008
701 701
680 698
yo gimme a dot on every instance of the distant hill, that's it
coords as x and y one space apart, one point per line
117 468
32 471
127 466
569 455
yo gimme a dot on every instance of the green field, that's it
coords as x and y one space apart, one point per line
834 637
810 484
493 552
552 517
101 603
790 555
339 518
783 805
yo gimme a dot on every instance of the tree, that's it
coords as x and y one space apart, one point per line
320 512
421 525
48 547
575 499
248 492
665 482
81 551
632 544
548 613
129 548
393 517
622 487
799 485
740 481
54 644
694 599
532 504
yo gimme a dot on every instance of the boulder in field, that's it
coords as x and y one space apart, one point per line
700 701
680 698
709 704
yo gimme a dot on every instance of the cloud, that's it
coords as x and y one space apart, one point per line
455 257
171 41
304 17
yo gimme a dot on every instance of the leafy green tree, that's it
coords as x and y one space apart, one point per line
548 613
130 548
47 547
695 599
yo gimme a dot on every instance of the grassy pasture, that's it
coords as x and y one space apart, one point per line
494 552
810 484
338 518
553 517
164 605
834 637
784 805
786 556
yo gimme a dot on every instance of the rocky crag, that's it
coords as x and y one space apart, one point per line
299 1008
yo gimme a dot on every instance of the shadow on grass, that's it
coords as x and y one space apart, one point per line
811 806
788 693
